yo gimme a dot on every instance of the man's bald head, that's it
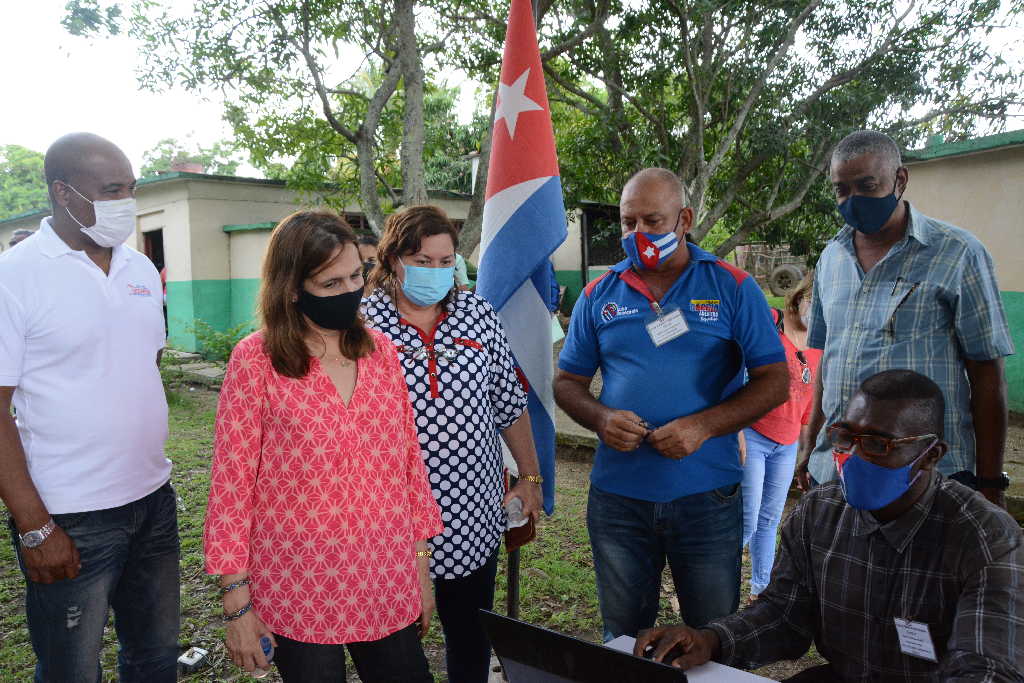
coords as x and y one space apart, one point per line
662 177
77 154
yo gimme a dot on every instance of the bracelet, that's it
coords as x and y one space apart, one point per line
533 478
224 590
424 553
238 615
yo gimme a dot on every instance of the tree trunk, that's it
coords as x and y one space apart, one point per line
369 199
469 238
414 188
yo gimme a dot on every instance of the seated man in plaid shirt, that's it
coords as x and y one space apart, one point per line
894 572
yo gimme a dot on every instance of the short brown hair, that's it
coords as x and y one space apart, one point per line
403 234
300 246
794 298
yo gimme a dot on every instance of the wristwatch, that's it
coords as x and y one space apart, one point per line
1001 482
35 538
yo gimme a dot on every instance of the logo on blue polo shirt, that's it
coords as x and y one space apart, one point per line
706 309
612 310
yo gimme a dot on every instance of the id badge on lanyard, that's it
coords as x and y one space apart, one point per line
666 325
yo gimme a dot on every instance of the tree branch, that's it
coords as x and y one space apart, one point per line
304 48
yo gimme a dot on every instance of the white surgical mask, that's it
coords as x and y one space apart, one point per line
115 220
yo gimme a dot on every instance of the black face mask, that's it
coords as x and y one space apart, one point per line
367 267
337 312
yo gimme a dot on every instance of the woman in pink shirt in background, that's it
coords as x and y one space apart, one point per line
772 441
319 505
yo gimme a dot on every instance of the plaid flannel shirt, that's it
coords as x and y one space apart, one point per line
953 562
931 302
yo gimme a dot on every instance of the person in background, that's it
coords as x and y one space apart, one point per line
367 253
897 289
19 236
671 328
461 273
771 442
894 572
465 392
319 503
83 474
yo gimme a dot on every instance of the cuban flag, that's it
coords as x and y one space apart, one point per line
523 224
649 250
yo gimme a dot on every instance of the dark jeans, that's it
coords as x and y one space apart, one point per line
466 647
397 658
701 535
129 560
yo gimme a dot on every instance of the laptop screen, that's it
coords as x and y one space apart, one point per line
531 654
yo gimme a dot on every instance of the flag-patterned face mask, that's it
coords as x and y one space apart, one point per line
648 250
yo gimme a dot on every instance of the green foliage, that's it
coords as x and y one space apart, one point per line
745 100
22 182
88 16
219 159
215 345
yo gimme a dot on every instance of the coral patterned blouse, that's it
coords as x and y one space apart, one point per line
322 502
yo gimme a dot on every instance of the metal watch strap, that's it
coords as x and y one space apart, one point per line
43 532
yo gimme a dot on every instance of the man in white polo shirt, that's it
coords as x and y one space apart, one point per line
82 471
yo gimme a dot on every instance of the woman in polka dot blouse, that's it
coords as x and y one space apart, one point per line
464 392
319 504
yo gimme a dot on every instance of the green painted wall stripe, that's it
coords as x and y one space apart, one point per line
191 300
249 226
244 294
1013 303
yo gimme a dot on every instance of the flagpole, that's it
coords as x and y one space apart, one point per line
512 594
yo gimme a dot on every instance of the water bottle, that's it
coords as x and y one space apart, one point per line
514 514
268 651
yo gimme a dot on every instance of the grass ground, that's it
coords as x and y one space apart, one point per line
557 579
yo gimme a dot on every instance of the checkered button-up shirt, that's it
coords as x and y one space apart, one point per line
952 562
930 303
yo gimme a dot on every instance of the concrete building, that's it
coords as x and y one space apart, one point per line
211 233
978 185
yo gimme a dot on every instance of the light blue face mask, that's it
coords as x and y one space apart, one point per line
426 286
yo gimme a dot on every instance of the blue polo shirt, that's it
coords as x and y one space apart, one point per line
730 326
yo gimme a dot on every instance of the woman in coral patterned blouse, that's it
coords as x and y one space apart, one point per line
319 504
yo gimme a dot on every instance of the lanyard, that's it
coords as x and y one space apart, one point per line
636 283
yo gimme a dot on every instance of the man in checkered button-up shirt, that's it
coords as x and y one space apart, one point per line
929 587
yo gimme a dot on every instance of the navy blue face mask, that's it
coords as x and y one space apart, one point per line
868 214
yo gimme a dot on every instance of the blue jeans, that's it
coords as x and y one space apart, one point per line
700 535
767 476
129 558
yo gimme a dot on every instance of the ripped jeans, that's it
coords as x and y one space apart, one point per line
129 558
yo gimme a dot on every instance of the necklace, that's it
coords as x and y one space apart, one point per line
340 360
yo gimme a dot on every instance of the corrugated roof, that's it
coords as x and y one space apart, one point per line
988 143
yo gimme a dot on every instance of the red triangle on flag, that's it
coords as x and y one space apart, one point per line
522 139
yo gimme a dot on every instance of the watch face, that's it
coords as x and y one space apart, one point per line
32 539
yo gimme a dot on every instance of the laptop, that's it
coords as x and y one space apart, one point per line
531 654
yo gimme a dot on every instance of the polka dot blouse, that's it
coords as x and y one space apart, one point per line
464 391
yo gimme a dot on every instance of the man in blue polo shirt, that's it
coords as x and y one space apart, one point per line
671 329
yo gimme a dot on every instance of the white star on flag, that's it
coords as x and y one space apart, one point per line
649 252
512 101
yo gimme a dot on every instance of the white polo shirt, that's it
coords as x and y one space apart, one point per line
80 347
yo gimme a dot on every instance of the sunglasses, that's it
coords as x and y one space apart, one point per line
843 441
437 352
805 372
